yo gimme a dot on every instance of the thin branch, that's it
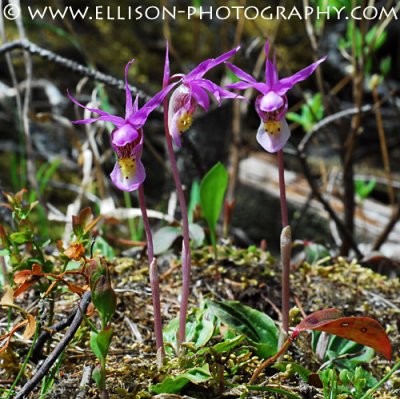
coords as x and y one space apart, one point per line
71 65
387 230
317 194
51 359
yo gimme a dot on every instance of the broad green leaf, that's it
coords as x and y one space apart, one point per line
99 377
200 331
212 192
164 238
338 347
95 347
228 344
174 384
197 235
20 237
259 328
104 340
314 252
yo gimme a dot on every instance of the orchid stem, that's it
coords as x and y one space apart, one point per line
154 282
286 244
282 189
186 256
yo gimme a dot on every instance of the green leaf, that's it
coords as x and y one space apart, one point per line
104 247
212 192
385 65
99 377
364 189
200 331
296 368
174 384
103 339
95 347
19 238
228 344
164 238
197 235
314 252
259 328
338 347
292 116
194 199
4 252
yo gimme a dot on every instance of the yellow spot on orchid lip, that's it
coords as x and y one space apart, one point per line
184 122
128 167
272 127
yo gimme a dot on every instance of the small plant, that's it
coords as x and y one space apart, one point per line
104 300
212 192
310 113
363 188
273 133
192 91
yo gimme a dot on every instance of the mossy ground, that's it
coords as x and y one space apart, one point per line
250 276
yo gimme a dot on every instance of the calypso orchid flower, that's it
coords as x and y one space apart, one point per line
271 105
193 92
127 137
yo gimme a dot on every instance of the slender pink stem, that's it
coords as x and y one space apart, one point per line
286 245
154 282
186 256
282 189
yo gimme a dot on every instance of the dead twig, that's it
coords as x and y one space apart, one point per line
51 359
45 335
317 194
71 65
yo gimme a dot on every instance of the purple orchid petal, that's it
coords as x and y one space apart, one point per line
276 141
167 72
128 104
287 83
124 135
240 73
206 65
105 116
218 92
91 120
173 127
138 119
135 105
131 182
271 102
200 96
239 86
271 74
181 98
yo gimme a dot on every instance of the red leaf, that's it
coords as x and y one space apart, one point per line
363 330
317 318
